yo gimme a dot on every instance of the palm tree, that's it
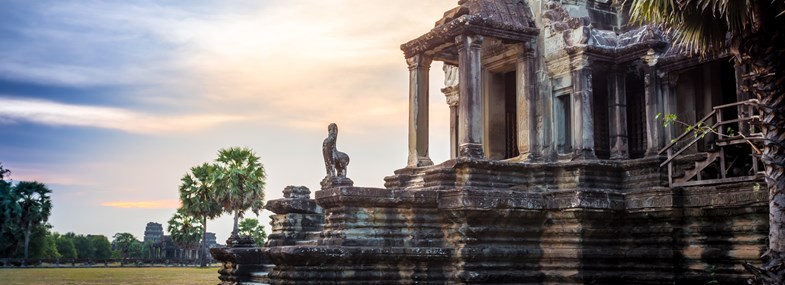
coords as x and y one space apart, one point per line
36 206
186 231
240 181
752 31
199 200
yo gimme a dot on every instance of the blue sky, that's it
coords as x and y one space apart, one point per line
110 102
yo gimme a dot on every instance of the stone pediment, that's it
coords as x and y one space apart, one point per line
503 19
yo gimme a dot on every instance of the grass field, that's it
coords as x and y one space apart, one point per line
133 276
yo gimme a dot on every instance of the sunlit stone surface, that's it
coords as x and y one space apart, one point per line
555 175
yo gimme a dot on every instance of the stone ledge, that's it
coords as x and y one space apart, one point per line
337 255
374 197
293 206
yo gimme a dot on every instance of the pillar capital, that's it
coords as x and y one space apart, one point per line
581 61
419 61
451 94
470 41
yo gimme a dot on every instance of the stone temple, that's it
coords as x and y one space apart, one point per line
561 172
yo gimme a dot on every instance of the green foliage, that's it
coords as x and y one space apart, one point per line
124 243
65 246
239 182
252 228
10 213
84 248
42 243
101 246
185 230
699 26
199 198
91 246
198 194
24 210
36 206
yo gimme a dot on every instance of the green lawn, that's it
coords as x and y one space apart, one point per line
133 276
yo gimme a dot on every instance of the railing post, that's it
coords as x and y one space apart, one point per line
670 168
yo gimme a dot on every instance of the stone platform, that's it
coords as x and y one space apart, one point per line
491 222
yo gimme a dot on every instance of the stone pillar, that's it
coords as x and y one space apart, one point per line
470 118
583 115
526 71
418 110
668 84
653 127
451 94
618 114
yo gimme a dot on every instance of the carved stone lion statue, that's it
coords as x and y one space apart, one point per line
334 161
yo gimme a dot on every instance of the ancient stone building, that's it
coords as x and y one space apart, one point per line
163 247
153 232
560 173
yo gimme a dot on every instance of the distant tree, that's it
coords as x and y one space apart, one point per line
36 206
147 250
186 231
3 173
101 245
198 197
10 212
42 243
84 248
65 246
252 228
239 181
123 242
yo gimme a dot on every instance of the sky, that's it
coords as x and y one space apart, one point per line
109 103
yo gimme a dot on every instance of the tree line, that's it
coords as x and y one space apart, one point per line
233 183
25 208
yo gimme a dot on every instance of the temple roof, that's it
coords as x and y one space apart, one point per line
503 19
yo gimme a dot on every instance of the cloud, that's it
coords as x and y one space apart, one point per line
303 63
59 114
157 204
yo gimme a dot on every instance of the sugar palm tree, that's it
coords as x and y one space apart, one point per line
753 32
36 206
185 230
200 201
239 181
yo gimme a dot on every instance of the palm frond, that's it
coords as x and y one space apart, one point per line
697 26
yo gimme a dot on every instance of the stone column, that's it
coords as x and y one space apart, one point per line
618 114
668 84
526 71
451 94
583 115
653 128
418 110
470 119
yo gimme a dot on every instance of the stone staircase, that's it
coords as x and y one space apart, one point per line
729 159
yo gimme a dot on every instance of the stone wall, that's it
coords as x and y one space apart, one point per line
592 222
